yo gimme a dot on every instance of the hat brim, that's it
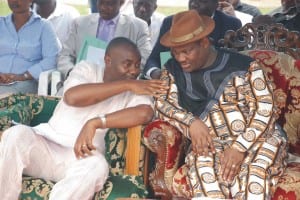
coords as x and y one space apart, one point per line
209 23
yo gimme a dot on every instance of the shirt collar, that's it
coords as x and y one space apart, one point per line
32 18
113 20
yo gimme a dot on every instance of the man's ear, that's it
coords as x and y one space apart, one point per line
107 60
205 42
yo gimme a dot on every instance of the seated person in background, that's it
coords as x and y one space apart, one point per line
127 7
69 149
223 23
145 10
93 6
105 25
28 46
245 8
222 102
263 19
60 15
227 7
288 14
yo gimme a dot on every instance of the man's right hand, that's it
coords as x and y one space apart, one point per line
148 87
202 142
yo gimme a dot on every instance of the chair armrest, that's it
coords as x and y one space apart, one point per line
50 76
168 144
44 80
56 80
133 149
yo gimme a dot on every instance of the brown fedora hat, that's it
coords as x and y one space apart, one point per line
187 27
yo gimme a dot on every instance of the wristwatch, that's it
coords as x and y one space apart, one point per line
26 76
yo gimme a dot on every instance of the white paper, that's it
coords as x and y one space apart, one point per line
95 55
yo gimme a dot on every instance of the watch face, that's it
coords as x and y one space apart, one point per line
26 76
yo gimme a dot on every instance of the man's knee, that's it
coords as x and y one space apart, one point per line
17 134
97 165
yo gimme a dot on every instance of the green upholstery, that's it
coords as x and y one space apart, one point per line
33 109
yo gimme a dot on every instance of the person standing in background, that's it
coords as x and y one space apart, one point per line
105 25
245 8
288 14
226 6
145 10
209 8
60 15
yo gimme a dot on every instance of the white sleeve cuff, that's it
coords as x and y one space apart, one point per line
147 75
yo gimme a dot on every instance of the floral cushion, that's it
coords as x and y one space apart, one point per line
17 113
25 109
114 187
115 141
289 184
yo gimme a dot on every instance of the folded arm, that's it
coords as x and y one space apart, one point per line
125 118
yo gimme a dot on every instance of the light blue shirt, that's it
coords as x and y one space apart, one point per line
34 48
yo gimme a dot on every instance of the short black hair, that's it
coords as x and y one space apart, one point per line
122 41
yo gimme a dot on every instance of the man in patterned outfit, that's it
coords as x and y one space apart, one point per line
222 102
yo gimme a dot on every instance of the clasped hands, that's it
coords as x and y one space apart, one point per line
202 144
9 78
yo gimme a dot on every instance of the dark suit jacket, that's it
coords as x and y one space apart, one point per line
223 23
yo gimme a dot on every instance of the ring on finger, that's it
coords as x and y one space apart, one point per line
233 166
83 146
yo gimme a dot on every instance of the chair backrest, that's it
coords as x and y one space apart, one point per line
277 50
273 37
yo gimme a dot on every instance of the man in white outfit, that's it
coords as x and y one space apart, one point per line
69 149
59 14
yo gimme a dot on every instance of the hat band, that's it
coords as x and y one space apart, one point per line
187 36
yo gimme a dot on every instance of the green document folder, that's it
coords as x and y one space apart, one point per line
164 57
92 49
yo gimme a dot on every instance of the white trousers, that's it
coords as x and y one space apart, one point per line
24 152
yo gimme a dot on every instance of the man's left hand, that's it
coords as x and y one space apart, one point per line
231 160
84 143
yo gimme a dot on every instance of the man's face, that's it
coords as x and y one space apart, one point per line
19 6
204 7
144 9
108 9
123 62
192 56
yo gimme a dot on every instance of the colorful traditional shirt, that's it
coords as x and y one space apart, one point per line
234 100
